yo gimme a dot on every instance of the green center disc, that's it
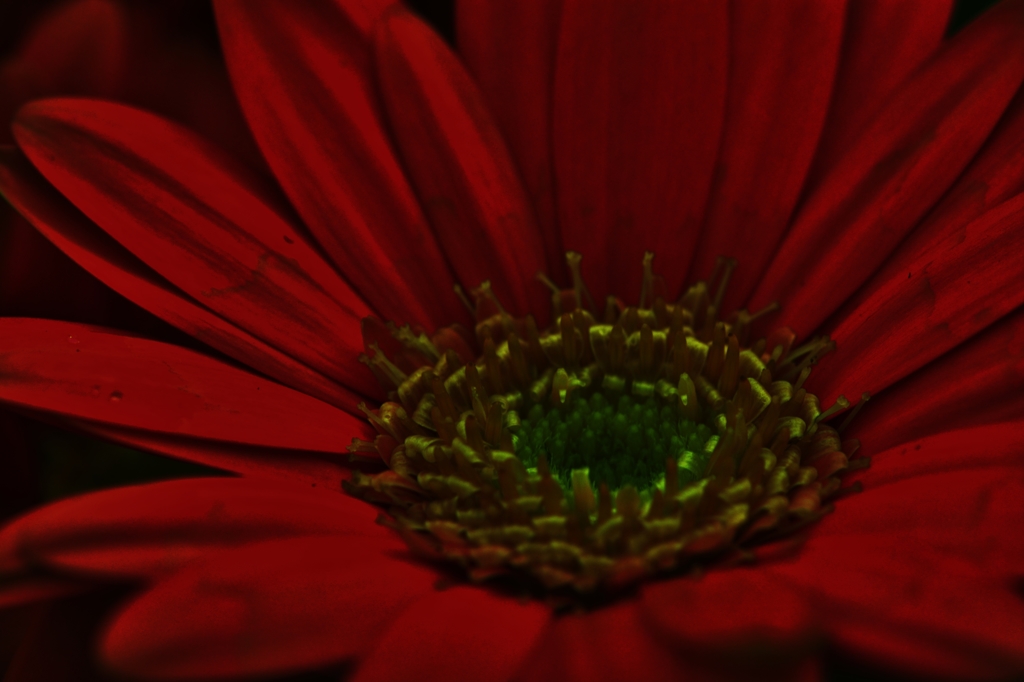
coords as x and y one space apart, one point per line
625 443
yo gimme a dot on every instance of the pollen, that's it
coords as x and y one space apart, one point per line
613 446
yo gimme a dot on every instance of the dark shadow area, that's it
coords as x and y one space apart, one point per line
438 13
966 11
72 464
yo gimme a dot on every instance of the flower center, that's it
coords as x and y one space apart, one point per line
594 454
616 439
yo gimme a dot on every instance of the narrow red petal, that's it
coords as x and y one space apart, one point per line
605 645
928 300
884 42
978 383
203 222
155 529
782 62
458 163
639 102
993 177
79 48
976 447
718 613
510 47
76 236
304 76
304 467
269 608
90 373
460 634
901 165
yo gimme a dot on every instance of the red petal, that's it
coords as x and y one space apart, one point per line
911 612
924 562
727 610
883 44
76 236
464 633
510 47
246 460
304 77
201 221
458 163
274 607
155 529
992 178
927 556
953 512
95 374
978 447
980 382
639 101
903 162
782 61
605 645
79 48
928 300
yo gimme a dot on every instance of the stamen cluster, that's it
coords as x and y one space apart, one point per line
596 453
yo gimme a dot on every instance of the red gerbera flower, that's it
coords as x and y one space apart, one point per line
690 130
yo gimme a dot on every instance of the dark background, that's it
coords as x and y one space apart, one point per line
195 17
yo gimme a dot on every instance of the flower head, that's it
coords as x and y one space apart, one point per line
872 204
